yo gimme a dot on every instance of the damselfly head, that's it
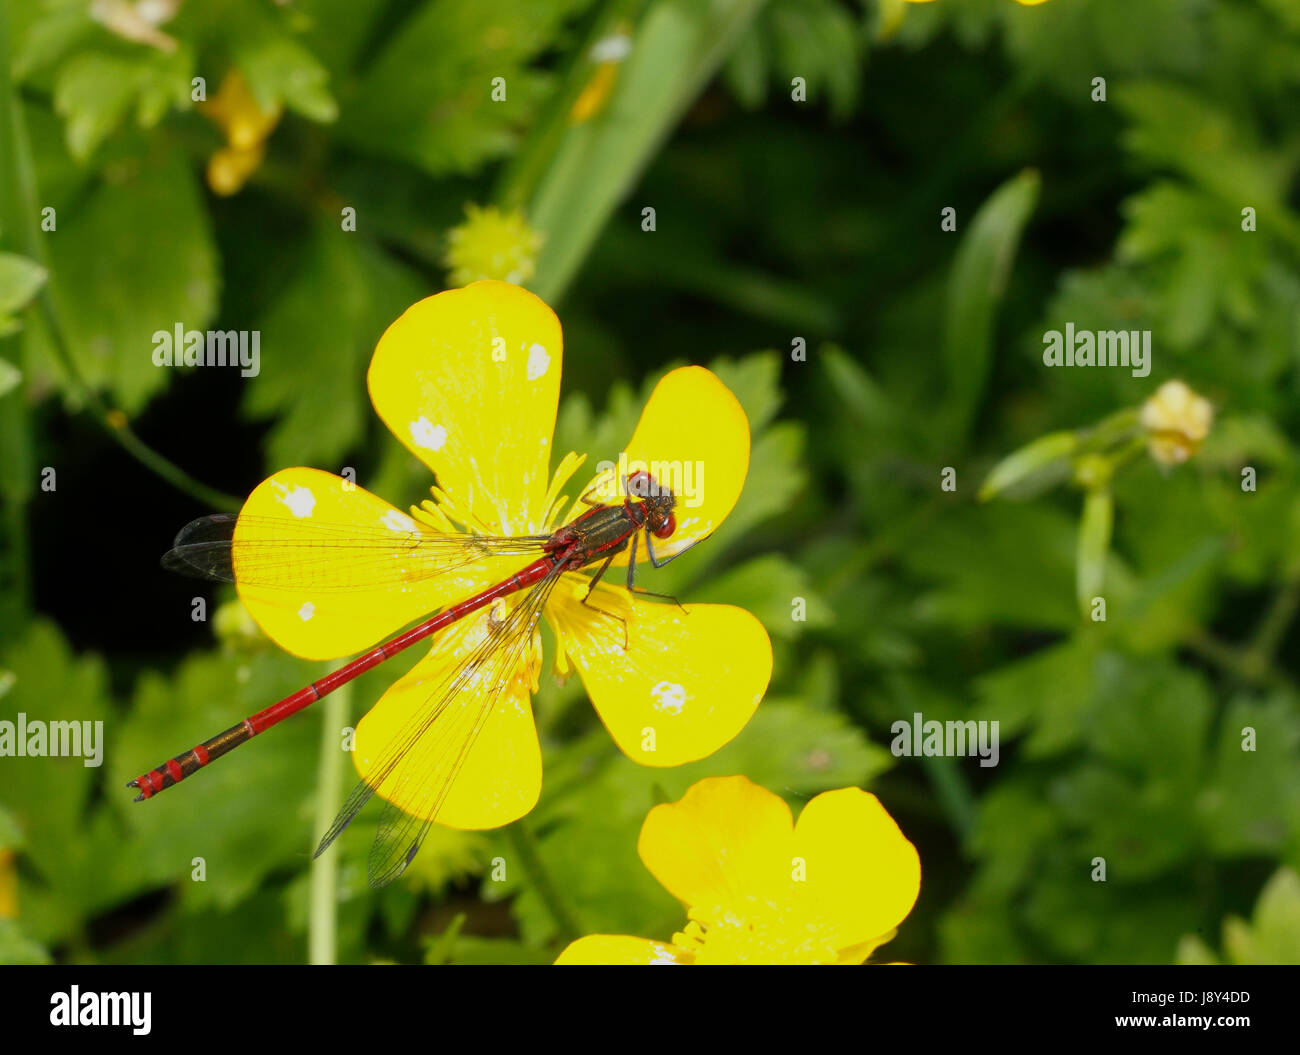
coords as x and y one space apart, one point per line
657 501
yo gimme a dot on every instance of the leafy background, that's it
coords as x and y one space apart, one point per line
776 220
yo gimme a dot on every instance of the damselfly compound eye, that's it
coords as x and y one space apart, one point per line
666 529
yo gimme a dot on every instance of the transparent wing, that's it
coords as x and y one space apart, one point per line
421 762
293 553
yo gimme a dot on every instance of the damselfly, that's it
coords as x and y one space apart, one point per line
420 762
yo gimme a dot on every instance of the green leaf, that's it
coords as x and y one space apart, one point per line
1192 952
746 71
755 381
1066 45
94 91
51 34
1033 469
979 280
1045 694
317 338
818 41
15 948
997 563
136 258
1273 935
280 70
50 797
1215 267
20 280
1177 126
1250 800
441 114
767 586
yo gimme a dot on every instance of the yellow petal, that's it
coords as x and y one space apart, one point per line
620 950
327 569
687 682
693 438
468 380
863 876
495 774
727 843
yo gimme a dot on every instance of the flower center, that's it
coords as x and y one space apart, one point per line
755 932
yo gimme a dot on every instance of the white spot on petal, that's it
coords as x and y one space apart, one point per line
306 611
427 435
398 521
300 501
539 361
668 697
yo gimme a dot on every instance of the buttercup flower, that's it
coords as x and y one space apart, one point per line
761 889
469 381
1176 420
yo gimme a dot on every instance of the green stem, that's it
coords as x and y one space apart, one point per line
524 843
322 932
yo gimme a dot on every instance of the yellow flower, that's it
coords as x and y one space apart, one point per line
1176 420
246 125
761 889
469 381
492 244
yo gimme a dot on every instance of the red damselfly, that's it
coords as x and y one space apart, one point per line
422 759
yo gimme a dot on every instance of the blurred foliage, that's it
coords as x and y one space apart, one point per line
781 225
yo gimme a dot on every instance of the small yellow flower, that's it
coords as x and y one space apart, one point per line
469 382
246 125
492 244
761 889
1176 420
